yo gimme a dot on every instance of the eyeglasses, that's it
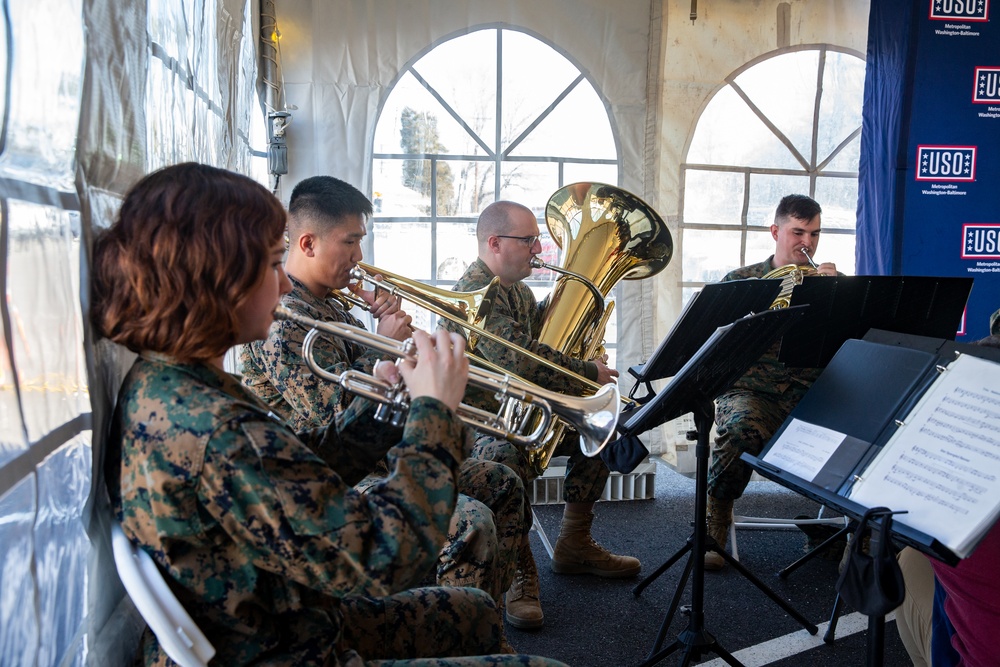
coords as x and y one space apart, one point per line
529 241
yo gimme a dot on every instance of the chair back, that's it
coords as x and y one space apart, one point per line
177 633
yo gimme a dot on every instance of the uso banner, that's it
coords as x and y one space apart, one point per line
929 188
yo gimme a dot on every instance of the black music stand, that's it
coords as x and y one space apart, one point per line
867 387
712 369
714 306
846 307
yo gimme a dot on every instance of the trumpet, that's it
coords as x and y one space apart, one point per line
594 417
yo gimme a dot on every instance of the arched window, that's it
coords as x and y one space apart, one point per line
786 123
487 115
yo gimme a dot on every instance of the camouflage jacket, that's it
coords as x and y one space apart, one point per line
517 317
769 375
259 537
275 370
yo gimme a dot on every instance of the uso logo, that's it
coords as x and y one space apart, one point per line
987 90
981 241
946 163
960 10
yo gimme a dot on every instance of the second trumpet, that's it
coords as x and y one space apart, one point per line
593 417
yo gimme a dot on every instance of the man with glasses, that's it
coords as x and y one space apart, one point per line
508 238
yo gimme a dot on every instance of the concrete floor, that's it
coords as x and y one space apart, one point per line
592 622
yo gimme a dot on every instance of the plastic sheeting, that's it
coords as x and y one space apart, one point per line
99 93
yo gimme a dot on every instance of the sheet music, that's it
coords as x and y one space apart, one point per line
943 463
803 449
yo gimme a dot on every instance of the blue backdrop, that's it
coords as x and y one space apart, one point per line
929 178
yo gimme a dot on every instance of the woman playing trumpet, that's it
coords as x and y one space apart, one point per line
274 555
326 223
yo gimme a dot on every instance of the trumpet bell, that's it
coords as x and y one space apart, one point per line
596 425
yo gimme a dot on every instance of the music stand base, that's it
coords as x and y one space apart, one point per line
696 644
696 640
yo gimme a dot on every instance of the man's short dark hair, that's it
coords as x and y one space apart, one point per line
799 207
325 201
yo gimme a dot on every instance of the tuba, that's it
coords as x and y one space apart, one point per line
606 234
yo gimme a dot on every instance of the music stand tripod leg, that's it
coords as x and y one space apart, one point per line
671 612
813 553
696 640
641 586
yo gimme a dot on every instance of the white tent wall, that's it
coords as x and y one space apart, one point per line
133 86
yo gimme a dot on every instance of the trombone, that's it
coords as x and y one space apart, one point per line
467 309
594 417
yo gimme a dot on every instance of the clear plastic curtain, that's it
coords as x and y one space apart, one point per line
95 94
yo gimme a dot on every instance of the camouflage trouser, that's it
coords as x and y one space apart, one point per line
429 623
499 490
485 530
745 421
585 476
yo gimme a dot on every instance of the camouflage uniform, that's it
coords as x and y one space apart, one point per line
751 411
268 549
481 548
517 317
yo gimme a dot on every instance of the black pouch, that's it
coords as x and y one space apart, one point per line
624 454
872 582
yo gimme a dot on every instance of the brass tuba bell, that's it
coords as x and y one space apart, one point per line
606 234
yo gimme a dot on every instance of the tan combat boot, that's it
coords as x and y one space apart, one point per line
720 518
576 551
524 608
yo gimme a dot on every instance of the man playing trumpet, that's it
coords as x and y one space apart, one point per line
326 224
749 413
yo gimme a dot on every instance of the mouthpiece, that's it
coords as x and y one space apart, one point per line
808 258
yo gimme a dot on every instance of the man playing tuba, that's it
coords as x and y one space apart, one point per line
508 238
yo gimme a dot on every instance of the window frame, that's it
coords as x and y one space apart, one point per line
812 170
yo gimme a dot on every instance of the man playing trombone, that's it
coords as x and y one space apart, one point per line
326 223
508 238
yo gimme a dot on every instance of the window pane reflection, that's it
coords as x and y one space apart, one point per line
456 249
404 248
420 150
730 134
766 190
713 197
709 255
